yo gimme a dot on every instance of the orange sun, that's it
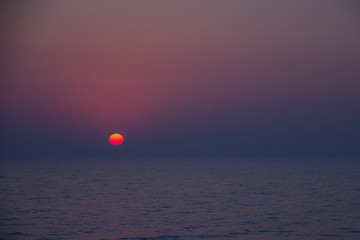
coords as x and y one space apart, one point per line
116 139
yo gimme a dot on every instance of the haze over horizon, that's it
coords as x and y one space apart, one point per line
221 79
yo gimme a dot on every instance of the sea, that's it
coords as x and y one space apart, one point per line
150 199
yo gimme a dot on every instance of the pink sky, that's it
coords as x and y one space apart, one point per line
138 65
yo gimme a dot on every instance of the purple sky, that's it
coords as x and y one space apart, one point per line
180 78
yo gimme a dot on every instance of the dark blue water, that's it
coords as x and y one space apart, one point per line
179 199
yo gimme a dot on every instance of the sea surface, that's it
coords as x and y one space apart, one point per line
179 199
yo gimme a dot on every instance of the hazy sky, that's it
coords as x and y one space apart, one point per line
180 78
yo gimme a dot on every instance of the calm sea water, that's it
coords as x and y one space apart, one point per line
182 199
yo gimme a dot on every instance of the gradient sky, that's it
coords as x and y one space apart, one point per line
261 79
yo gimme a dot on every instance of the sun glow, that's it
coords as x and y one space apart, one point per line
116 139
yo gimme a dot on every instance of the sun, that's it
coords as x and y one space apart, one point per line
116 139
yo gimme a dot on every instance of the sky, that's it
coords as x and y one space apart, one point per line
180 79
